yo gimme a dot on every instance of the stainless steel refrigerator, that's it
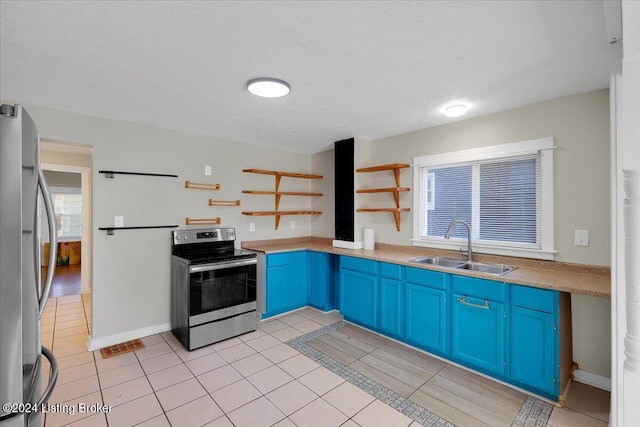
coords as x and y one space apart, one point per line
22 296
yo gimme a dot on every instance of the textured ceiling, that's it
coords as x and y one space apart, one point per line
363 69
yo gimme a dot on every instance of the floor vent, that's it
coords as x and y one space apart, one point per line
118 349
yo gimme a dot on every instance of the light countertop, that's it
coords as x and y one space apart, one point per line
561 276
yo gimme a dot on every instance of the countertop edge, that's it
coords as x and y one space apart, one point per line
596 282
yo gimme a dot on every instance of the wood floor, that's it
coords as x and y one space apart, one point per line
66 280
459 396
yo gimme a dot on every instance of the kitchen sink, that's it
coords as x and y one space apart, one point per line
497 269
460 264
442 262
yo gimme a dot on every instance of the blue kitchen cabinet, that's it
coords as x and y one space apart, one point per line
359 291
276 289
321 280
390 304
425 309
535 343
299 279
286 282
478 320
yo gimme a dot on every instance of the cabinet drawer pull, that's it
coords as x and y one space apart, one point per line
464 301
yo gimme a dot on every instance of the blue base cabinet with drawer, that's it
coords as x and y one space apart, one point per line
286 282
540 344
359 291
390 317
426 311
478 322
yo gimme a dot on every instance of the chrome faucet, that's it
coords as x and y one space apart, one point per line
448 234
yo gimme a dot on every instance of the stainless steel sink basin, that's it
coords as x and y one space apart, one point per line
497 269
442 262
460 264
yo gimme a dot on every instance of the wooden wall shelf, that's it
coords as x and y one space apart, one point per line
213 202
278 194
395 168
201 186
203 221
278 214
287 174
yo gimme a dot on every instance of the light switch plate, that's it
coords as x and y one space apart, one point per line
293 225
582 238
118 221
207 170
252 226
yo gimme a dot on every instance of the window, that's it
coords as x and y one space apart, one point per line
67 204
505 193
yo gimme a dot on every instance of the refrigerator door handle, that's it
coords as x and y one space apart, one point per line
53 242
53 377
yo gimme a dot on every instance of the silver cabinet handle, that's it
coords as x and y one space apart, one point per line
53 241
464 301
53 377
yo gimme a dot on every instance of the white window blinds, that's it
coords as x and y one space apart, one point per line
499 198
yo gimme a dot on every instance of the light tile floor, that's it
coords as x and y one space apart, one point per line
253 380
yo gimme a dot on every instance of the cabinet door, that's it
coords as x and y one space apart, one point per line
358 297
477 333
298 280
391 306
533 357
277 289
425 317
321 278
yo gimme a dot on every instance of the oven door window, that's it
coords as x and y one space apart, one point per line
218 289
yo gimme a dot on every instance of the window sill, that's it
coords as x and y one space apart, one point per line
548 255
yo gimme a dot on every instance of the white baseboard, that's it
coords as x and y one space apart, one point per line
344 244
594 380
98 343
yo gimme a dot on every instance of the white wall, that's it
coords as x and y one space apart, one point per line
131 273
323 163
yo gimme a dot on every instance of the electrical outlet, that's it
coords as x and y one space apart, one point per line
582 238
207 170
118 221
293 225
252 226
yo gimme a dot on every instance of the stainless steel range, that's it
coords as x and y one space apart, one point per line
213 287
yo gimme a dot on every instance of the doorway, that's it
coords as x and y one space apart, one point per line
66 194
68 170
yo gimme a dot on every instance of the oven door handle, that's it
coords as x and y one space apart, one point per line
221 265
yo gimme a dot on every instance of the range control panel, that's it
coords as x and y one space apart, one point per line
181 237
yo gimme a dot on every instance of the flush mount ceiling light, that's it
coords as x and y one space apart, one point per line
456 110
268 88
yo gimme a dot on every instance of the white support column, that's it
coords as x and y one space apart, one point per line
631 370
631 209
